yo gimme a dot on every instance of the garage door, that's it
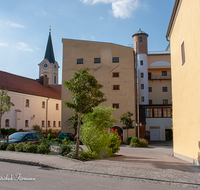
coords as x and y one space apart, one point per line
154 133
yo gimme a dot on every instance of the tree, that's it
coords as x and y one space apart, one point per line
127 121
86 94
95 135
5 104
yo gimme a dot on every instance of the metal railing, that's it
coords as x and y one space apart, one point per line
159 77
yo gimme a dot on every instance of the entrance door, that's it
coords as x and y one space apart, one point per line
154 134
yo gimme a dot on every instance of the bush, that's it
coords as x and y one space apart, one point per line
66 147
21 130
136 142
11 147
3 145
20 147
129 140
87 155
30 147
45 145
11 131
4 131
42 149
37 128
115 140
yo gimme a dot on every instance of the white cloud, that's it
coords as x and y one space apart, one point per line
100 17
22 46
14 25
93 38
3 44
120 8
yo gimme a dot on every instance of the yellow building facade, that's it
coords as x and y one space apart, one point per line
183 34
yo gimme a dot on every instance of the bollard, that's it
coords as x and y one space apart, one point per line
7 138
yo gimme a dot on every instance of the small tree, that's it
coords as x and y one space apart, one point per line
86 94
5 104
127 121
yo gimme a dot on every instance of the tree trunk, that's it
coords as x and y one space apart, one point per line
78 135
127 135
0 122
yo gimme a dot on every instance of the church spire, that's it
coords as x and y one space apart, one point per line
49 54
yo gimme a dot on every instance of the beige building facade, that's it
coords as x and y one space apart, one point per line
125 74
183 34
113 67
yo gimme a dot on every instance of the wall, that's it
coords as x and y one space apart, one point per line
88 50
34 113
185 82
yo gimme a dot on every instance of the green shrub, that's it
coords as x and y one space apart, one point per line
66 147
42 149
87 155
3 145
135 140
115 141
4 131
11 147
20 147
11 131
21 130
143 143
129 140
50 131
30 147
37 128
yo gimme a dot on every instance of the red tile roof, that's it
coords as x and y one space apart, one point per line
24 85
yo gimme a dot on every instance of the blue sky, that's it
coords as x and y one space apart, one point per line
24 27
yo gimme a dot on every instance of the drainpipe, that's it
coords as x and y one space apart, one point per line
47 101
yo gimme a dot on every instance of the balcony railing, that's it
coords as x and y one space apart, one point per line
159 77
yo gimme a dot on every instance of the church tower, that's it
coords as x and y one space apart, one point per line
49 66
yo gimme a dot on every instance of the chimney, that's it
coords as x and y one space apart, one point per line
44 80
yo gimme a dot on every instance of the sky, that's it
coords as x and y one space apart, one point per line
24 27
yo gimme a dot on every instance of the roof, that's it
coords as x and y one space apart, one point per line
56 86
172 18
139 32
24 85
49 55
158 53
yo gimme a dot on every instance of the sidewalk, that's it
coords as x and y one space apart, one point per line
153 163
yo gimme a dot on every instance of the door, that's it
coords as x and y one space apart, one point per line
154 134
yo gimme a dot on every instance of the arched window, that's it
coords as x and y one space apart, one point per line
57 106
43 123
43 104
54 123
26 123
7 123
27 103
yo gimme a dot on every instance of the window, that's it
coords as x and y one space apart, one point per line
59 124
167 112
115 87
115 59
43 123
49 123
150 102
26 123
54 79
43 104
142 86
150 89
57 106
79 61
27 103
142 99
164 73
116 74
183 53
157 112
54 123
97 60
141 39
142 75
165 101
148 112
141 62
7 123
149 76
164 89
116 105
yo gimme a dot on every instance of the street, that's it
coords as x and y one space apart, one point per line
43 179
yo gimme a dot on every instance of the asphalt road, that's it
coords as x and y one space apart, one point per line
43 179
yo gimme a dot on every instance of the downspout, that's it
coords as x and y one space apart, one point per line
47 101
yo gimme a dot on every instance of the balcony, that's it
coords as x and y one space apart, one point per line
159 77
